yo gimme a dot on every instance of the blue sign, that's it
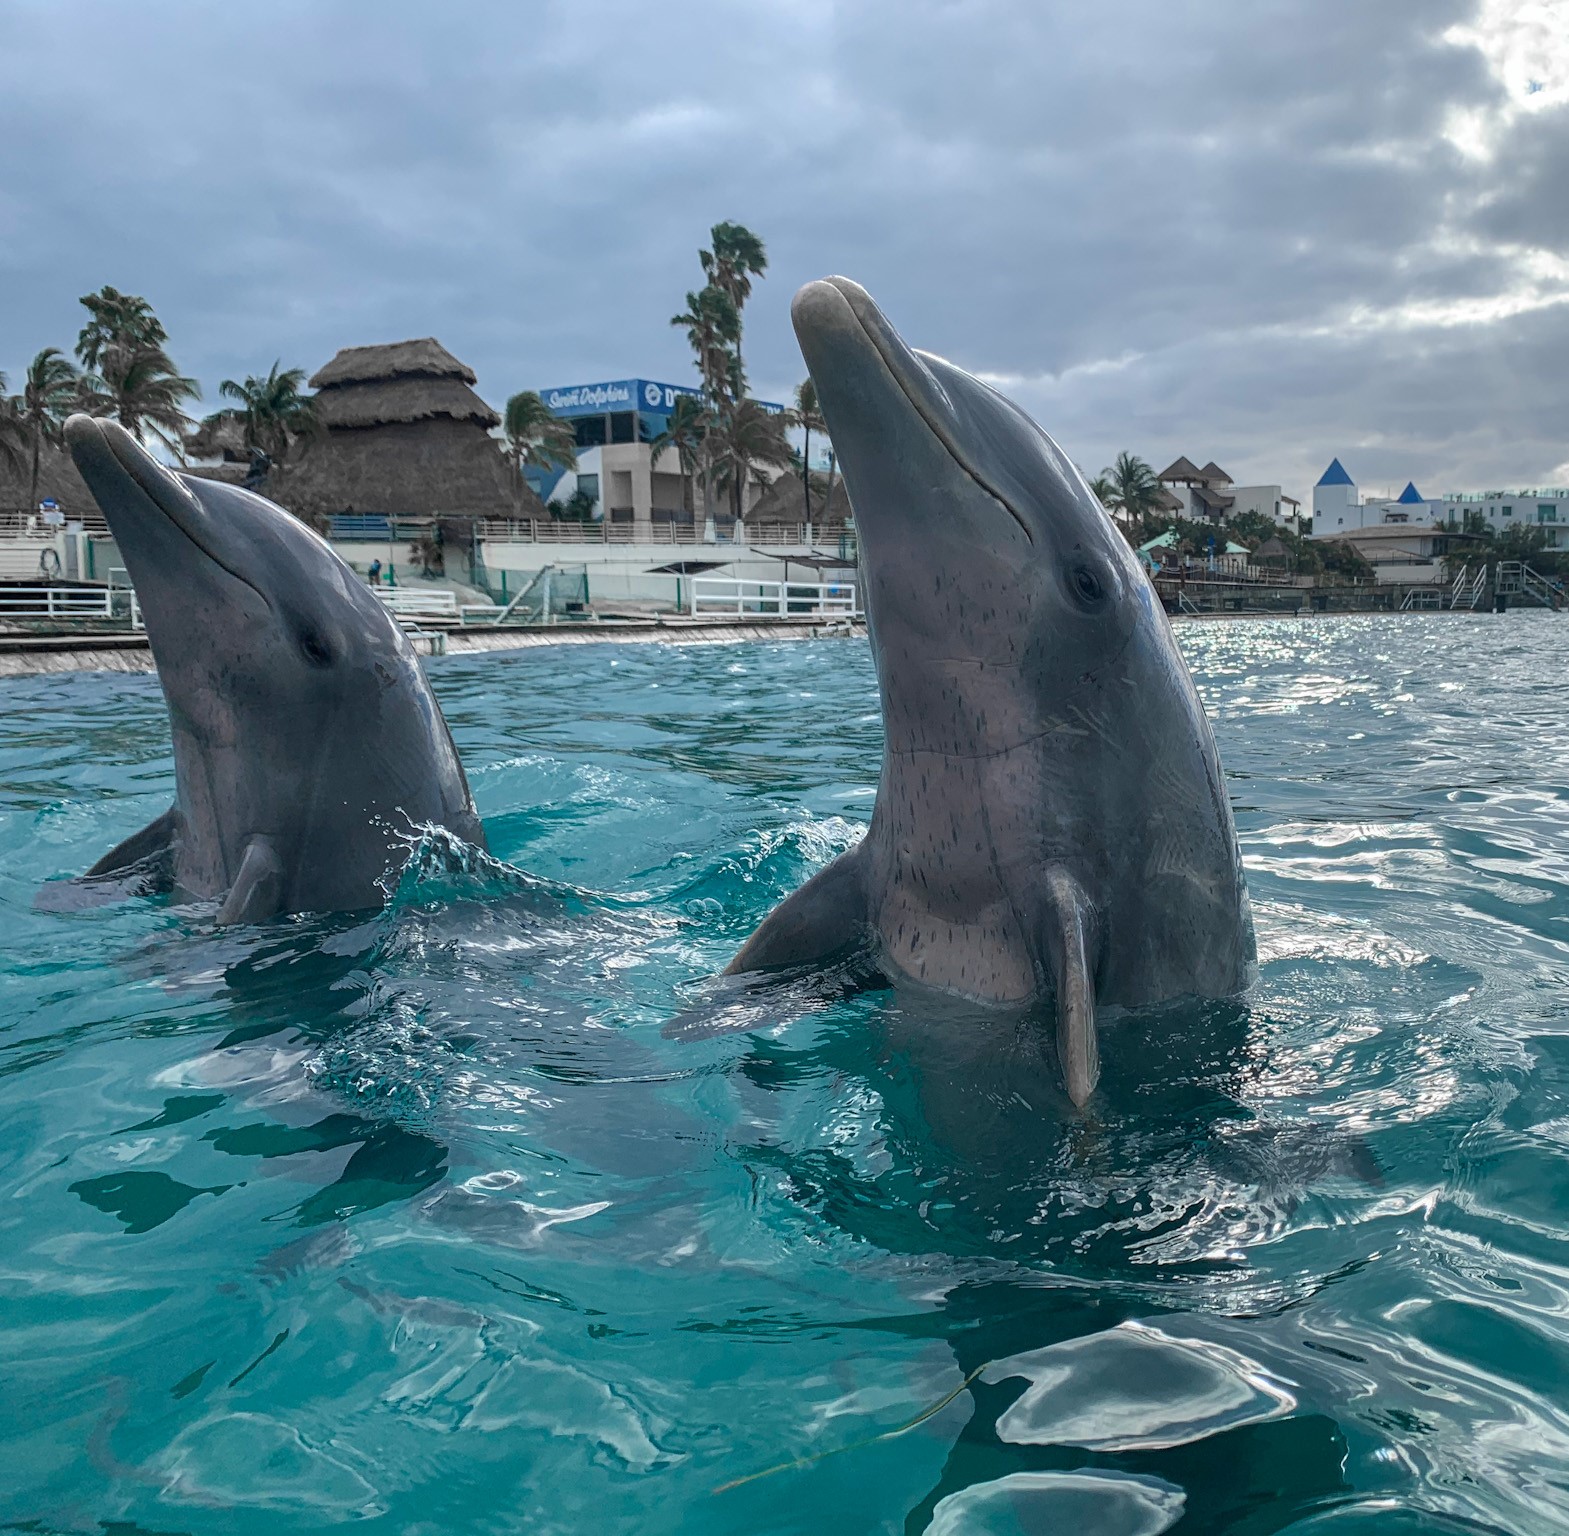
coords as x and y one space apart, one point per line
623 395
619 395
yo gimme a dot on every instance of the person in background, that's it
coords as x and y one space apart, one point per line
373 575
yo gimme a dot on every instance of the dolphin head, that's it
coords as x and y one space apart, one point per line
294 699
1044 746
982 545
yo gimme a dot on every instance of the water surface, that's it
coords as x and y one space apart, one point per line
418 1221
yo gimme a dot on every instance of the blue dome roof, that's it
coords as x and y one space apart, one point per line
1336 475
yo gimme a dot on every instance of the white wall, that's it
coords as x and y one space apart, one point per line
1512 509
1335 508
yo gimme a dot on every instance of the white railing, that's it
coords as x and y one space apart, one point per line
436 604
774 599
56 603
658 531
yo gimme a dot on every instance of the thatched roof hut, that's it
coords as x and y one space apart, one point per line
219 436
57 477
405 434
1181 471
784 501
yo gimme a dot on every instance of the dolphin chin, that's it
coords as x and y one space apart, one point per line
308 746
1051 823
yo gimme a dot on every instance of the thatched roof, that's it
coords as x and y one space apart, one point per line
1272 549
425 357
1164 501
1215 500
407 469
783 501
220 435
57 477
1181 469
1215 474
229 473
405 435
407 398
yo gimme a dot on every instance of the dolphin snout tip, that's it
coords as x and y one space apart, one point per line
816 302
81 429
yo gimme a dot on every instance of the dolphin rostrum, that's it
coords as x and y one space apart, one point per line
1051 821
306 738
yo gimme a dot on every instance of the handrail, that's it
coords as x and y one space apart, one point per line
30 602
778 599
28 522
437 603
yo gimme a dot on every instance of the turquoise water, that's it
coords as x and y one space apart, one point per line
419 1222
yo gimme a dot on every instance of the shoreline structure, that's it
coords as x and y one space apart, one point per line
36 655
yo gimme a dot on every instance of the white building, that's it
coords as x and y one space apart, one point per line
614 425
1399 536
1339 508
1547 509
1208 495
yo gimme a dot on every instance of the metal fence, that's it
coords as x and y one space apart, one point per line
15 520
413 602
111 606
765 535
733 597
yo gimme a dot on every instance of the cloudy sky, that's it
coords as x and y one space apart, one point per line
1264 231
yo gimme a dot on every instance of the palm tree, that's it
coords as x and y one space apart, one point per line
12 438
1134 488
47 398
737 257
118 319
808 416
686 430
713 326
142 389
535 435
752 436
274 411
1102 490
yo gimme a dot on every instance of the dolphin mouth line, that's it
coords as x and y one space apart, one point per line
172 517
939 429
223 565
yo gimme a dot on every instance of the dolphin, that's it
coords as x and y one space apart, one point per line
306 738
1051 824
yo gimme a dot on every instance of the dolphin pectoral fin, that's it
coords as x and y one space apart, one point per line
143 865
257 892
1070 946
824 917
151 849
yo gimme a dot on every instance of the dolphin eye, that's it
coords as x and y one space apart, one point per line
314 649
1086 586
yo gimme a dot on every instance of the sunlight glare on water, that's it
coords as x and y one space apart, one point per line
417 1219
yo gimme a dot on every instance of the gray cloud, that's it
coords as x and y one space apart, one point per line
1251 233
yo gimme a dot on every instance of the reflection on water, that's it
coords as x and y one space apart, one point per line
428 1220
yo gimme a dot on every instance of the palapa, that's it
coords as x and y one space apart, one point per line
404 434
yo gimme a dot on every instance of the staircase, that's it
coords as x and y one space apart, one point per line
1467 590
1515 579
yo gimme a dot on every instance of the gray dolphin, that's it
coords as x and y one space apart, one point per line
306 738
1051 820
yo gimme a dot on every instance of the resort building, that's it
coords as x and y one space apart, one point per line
405 435
1546 508
1338 508
614 426
1208 495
